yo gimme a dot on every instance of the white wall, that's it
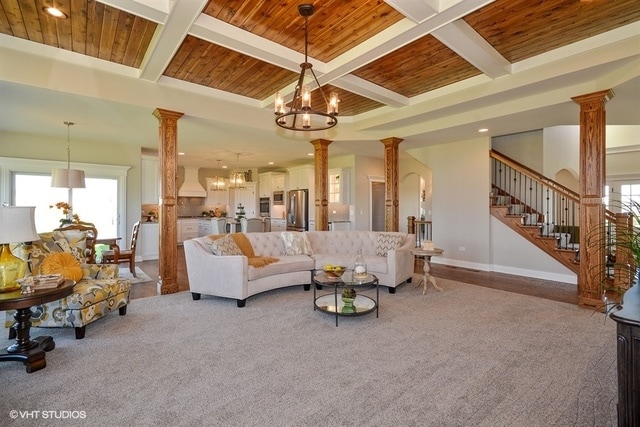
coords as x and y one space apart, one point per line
460 203
525 147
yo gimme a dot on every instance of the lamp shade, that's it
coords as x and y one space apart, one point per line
67 178
17 224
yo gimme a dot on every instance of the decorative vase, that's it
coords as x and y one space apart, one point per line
348 297
359 266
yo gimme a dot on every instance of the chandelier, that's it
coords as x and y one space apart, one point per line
300 116
217 183
68 178
237 179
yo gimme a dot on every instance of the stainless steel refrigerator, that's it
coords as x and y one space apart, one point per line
298 210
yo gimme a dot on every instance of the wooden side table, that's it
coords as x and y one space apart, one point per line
25 350
426 254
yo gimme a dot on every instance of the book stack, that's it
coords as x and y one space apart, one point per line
48 281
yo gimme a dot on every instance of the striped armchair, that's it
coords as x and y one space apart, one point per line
98 293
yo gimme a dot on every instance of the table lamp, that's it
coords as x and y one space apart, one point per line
17 224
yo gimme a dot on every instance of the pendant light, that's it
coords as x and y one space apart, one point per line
237 179
68 178
217 182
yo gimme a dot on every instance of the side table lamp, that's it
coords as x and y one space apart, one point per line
17 224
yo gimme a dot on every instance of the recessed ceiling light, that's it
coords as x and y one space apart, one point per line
483 130
224 167
180 154
55 12
270 163
309 154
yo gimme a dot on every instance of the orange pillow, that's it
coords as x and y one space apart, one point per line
62 263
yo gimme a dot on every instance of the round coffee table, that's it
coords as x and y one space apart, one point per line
25 350
332 303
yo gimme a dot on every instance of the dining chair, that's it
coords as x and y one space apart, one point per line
90 240
116 255
251 225
219 225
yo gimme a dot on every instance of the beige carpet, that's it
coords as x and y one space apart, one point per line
468 356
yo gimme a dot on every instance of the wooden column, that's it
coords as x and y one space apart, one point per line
592 181
321 179
391 203
168 209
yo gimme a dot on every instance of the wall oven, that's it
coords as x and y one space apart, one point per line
278 197
264 206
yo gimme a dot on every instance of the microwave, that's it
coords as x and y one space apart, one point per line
278 197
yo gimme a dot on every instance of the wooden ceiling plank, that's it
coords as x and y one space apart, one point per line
15 20
78 19
95 12
121 38
29 10
63 28
5 28
107 33
141 35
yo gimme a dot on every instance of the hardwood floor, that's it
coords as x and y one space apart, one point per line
556 291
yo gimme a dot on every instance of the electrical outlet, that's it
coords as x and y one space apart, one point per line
462 249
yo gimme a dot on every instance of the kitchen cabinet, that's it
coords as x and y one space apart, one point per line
340 186
339 225
150 180
268 182
278 224
148 246
301 177
312 225
218 197
246 196
187 229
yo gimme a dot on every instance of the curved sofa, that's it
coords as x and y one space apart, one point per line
387 254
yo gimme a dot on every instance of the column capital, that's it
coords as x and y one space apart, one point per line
595 97
391 141
162 114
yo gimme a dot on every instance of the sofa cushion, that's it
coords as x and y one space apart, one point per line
296 243
224 246
375 264
387 242
285 264
62 263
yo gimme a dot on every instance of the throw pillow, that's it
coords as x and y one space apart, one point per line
224 246
296 243
386 242
62 263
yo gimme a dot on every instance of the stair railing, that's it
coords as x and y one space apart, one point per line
540 201
547 204
421 228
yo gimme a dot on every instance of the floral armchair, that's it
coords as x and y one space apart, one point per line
98 293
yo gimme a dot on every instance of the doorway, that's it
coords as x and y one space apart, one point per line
377 205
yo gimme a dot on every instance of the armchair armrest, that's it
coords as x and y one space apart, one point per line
100 271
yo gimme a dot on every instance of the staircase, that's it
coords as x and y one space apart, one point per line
539 209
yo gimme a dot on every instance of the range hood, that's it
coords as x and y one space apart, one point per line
191 187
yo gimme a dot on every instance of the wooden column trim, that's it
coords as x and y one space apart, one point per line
391 185
168 209
321 179
592 181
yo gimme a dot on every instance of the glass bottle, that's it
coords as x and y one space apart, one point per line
360 266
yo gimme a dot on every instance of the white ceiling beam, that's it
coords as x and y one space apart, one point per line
466 42
152 10
169 38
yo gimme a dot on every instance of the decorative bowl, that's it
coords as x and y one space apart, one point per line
335 272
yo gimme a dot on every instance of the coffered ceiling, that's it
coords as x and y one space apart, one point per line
427 71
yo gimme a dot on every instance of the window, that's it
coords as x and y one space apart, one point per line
97 203
27 182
